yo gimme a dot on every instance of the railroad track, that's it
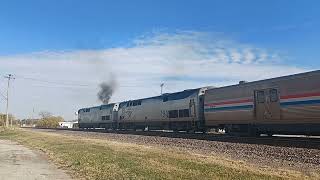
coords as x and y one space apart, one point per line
297 142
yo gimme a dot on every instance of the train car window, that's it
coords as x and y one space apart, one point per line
274 95
184 113
105 118
173 114
165 98
134 103
181 113
261 97
139 102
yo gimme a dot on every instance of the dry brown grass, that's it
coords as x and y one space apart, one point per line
104 159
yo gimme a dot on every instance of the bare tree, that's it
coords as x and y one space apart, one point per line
45 114
48 120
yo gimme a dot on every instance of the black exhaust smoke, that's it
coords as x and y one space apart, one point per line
106 91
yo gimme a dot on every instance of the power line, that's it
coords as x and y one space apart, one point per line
3 96
51 82
72 85
68 84
2 83
86 87
3 99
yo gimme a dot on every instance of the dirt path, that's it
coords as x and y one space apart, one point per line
18 162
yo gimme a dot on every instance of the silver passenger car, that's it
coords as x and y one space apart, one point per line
286 105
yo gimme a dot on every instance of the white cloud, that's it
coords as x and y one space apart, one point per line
248 56
181 60
235 56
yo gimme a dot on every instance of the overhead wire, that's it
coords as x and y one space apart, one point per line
70 84
1 93
51 82
3 96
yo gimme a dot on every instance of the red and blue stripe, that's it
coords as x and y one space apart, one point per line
239 104
300 99
247 103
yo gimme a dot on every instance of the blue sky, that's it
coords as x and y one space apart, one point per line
36 25
185 44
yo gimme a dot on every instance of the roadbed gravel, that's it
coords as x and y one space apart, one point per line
262 155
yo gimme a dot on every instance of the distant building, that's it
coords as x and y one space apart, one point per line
67 124
28 122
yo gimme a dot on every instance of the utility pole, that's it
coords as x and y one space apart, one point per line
32 113
9 77
161 85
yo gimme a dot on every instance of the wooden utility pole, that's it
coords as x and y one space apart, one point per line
9 77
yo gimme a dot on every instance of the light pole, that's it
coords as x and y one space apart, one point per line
9 77
161 86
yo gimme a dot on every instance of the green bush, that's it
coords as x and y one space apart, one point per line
49 122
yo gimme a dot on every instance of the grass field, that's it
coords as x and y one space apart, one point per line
102 159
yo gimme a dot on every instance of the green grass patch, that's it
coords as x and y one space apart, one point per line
108 160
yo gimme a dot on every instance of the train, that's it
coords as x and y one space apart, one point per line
282 105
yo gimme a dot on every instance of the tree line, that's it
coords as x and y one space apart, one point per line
47 120
11 117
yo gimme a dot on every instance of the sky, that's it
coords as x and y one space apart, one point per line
59 51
